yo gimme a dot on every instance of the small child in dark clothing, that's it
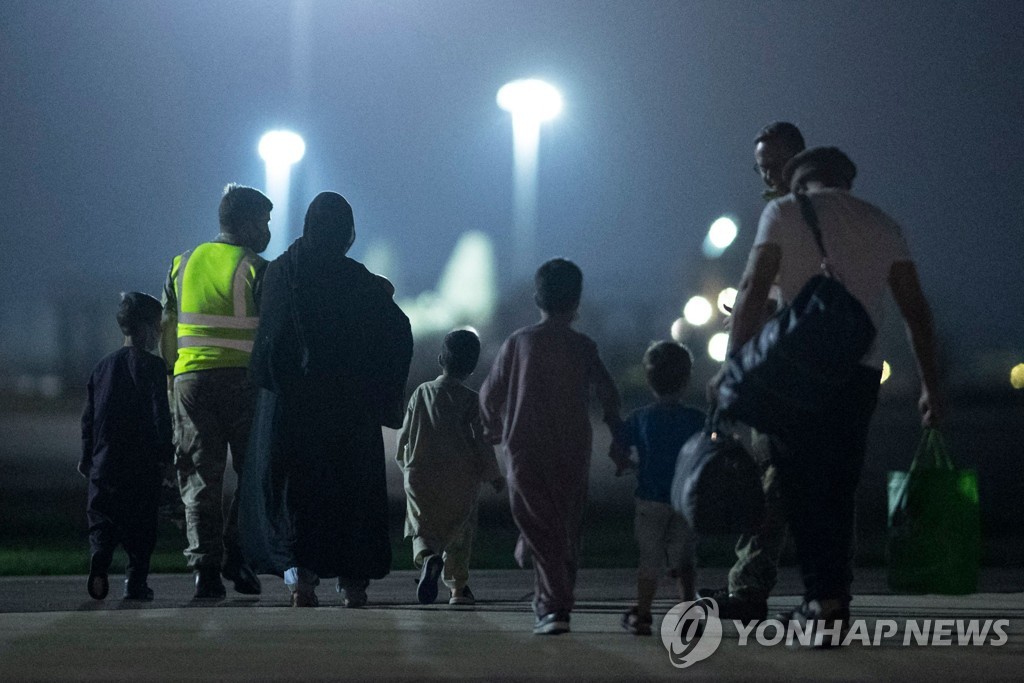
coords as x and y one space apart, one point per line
126 440
658 432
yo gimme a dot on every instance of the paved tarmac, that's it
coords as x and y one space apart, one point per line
50 630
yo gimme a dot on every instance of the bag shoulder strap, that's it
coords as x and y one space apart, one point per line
811 218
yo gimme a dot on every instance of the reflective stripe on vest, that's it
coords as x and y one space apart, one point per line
216 327
193 342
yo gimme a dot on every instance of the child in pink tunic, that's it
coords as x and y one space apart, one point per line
535 402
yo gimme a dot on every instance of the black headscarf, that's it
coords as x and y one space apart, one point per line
328 325
327 235
329 224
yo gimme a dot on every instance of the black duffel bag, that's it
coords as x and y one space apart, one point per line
717 484
784 377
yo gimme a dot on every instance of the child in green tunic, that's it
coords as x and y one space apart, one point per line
444 458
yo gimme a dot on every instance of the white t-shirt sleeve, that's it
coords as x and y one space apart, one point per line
768 225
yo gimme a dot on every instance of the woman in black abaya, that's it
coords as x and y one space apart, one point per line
331 359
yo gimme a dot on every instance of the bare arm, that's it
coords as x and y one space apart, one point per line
917 314
749 311
752 297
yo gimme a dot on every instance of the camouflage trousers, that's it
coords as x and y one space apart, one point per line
213 411
757 555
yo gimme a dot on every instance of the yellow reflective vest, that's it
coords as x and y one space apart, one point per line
216 311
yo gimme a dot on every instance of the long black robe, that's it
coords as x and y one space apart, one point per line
331 359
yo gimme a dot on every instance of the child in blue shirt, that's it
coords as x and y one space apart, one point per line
657 432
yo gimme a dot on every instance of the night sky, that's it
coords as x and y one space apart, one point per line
121 122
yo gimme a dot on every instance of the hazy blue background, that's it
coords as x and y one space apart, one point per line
121 121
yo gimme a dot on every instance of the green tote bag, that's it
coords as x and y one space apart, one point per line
934 538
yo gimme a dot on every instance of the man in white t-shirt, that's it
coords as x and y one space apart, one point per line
819 469
753 575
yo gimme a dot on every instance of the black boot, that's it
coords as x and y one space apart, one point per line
208 584
97 584
136 586
134 590
241 574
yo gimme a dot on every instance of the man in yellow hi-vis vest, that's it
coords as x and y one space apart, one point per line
211 311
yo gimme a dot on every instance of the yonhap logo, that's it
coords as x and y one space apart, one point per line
691 632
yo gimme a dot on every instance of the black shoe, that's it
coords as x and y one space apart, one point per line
716 594
304 599
842 613
426 591
740 608
354 594
137 592
826 627
208 585
245 580
552 624
98 585
635 624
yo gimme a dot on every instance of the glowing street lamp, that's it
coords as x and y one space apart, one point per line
678 330
726 300
530 102
530 98
718 345
280 150
720 235
886 371
697 311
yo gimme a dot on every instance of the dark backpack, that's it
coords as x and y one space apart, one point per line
786 375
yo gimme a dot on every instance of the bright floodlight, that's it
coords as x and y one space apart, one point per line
530 102
530 98
718 345
281 148
697 311
722 232
720 235
886 371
